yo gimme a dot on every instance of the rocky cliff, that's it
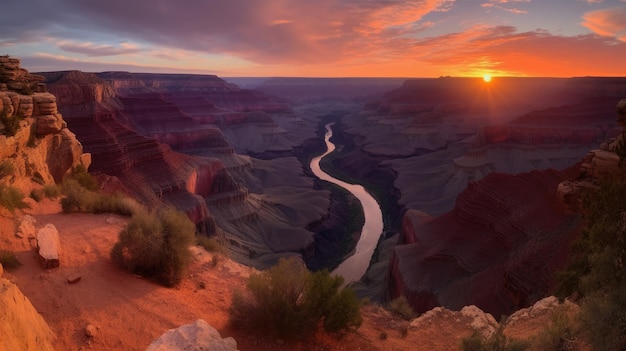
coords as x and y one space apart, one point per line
500 246
131 162
180 139
35 140
506 235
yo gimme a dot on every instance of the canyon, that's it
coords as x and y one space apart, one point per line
477 182
438 154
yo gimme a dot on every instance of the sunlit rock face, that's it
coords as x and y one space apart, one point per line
41 148
497 249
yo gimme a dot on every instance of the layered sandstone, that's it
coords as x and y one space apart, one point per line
499 246
42 149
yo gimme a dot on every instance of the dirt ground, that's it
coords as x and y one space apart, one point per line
130 312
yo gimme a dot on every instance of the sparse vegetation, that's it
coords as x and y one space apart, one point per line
496 342
8 260
6 169
210 244
401 307
86 180
80 199
560 334
156 245
12 198
53 190
11 124
596 271
289 302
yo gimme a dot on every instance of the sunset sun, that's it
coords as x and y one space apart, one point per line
487 78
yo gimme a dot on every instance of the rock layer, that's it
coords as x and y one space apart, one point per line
42 149
499 246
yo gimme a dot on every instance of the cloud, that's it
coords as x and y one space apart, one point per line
503 50
97 50
497 5
608 22
269 31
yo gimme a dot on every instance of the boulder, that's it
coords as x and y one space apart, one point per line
48 246
198 335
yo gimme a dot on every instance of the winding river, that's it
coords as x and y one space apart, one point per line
354 267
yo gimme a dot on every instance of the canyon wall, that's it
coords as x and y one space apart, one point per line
187 140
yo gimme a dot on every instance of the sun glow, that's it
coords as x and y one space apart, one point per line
487 78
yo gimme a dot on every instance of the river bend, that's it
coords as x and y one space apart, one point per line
355 266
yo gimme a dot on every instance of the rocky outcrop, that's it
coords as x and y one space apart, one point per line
21 327
499 246
38 145
15 78
198 335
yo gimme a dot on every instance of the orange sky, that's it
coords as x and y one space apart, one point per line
323 38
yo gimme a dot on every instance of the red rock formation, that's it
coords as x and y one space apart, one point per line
150 170
497 249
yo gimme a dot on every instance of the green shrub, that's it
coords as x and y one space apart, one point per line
156 245
52 190
12 198
86 180
596 271
290 302
560 334
6 169
401 307
79 199
496 342
210 244
8 260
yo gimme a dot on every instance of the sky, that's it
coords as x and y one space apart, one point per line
320 38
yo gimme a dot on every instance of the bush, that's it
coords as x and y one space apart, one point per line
8 260
560 334
6 169
12 198
290 302
496 342
210 244
401 307
52 190
86 180
156 245
79 199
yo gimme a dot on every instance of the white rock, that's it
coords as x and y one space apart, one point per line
196 336
481 321
48 246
